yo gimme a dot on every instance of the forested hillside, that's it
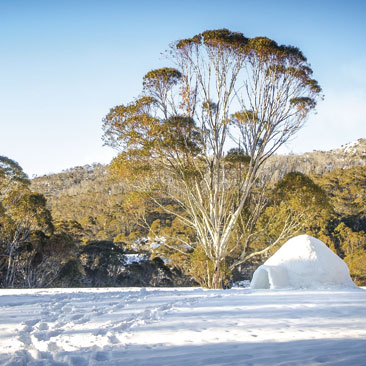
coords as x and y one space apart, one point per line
95 178
88 202
89 196
320 162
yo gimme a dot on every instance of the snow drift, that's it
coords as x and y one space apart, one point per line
302 262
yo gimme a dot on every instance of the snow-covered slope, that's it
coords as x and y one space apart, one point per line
303 262
182 327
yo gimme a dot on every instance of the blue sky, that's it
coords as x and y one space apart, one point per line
63 64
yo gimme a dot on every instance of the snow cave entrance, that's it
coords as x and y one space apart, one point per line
262 279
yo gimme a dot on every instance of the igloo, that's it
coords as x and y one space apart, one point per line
302 262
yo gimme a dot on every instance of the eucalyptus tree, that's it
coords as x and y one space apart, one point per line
11 176
224 91
22 212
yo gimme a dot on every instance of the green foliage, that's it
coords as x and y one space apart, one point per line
237 156
295 205
171 236
160 79
205 272
181 134
146 139
298 186
349 241
11 173
357 265
102 262
128 124
148 273
202 268
28 209
299 193
347 190
90 197
216 39
71 228
243 117
71 274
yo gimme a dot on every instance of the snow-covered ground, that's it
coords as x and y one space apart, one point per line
188 326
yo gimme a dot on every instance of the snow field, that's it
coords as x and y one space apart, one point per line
183 326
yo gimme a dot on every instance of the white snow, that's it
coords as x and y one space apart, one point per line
135 258
185 326
303 262
351 146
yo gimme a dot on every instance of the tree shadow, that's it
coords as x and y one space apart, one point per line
327 352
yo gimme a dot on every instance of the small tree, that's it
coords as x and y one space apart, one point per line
227 91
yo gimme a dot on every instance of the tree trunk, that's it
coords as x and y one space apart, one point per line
217 277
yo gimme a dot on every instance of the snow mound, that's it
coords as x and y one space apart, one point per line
303 262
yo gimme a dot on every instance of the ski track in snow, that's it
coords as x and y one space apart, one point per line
189 326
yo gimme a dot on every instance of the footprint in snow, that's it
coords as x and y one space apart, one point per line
32 322
76 316
101 356
82 320
67 308
112 338
42 326
46 336
25 338
77 361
